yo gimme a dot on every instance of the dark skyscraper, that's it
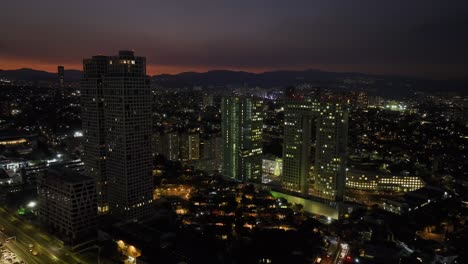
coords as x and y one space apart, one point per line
92 105
61 75
117 92
242 124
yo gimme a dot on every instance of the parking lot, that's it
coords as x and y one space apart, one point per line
8 257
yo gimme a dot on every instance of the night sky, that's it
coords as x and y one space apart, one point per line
411 37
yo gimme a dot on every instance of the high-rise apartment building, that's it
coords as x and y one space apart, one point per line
331 151
92 115
308 122
242 124
168 145
120 83
299 116
211 149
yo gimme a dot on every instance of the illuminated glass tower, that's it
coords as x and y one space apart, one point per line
120 83
242 124
307 121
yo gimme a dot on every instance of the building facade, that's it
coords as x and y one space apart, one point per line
120 83
92 115
299 115
331 151
388 183
168 145
190 147
309 123
242 124
67 204
272 169
212 152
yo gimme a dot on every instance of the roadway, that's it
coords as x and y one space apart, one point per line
336 253
7 256
50 250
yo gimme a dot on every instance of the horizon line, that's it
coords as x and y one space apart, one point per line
273 70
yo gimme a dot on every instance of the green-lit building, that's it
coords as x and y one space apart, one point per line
242 123
308 123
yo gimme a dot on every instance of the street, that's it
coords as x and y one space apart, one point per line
336 253
49 249
7 256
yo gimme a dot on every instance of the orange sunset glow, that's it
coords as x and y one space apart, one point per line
152 69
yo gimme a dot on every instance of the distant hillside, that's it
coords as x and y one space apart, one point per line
236 78
32 75
379 84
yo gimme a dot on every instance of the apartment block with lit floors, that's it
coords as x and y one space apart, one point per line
67 204
242 124
331 151
299 115
190 147
126 120
167 144
321 126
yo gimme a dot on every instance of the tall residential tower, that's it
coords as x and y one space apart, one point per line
116 92
242 123
309 123
92 115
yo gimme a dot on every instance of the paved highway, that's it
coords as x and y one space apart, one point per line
50 250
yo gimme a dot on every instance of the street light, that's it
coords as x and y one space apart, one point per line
32 204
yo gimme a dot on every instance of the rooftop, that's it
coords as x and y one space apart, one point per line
60 172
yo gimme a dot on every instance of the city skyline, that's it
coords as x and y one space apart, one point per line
308 131
420 38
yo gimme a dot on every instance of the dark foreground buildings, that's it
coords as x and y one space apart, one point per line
67 204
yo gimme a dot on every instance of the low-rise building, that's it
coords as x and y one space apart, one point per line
368 181
15 164
67 204
414 200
